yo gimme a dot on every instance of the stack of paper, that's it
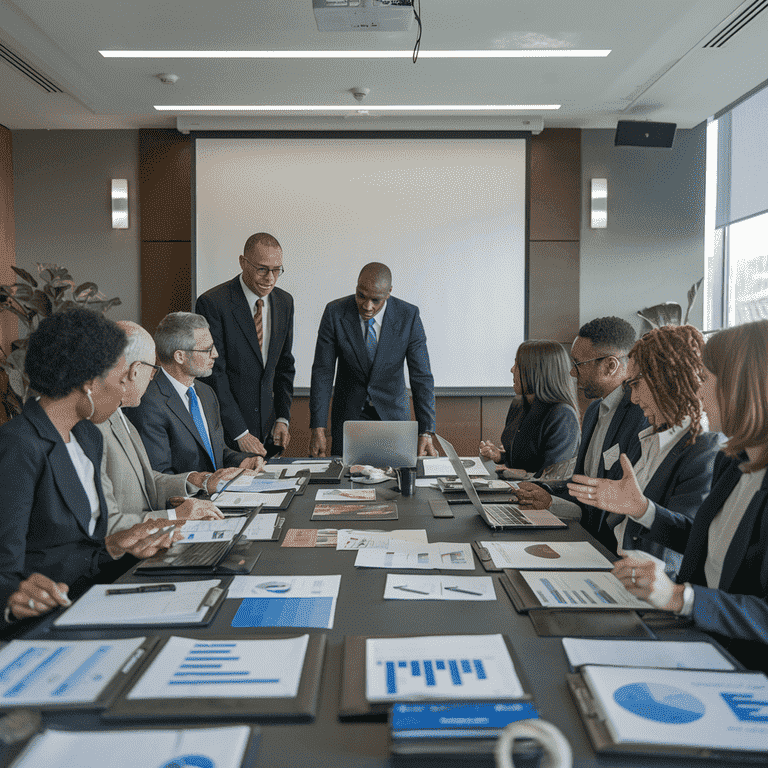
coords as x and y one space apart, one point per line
403 554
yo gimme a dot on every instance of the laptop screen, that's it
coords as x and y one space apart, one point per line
381 443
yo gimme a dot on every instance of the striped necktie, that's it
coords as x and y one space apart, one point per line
197 417
370 340
258 323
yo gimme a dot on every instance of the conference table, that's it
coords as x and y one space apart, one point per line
361 610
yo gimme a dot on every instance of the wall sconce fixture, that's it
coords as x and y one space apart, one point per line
599 204
119 203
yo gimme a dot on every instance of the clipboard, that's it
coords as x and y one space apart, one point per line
604 743
287 495
484 556
113 687
355 707
301 709
213 600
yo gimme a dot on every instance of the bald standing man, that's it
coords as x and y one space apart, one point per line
364 339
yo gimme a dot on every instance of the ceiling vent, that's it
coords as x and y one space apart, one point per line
363 15
26 69
736 24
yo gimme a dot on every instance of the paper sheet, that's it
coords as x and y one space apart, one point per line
415 587
345 494
349 539
284 586
39 672
224 669
442 467
314 468
269 500
310 537
221 747
261 528
447 667
645 653
589 589
181 606
403 554
260 485
537 555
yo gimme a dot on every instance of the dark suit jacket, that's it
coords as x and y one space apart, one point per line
627 423
737 612
166 428
251 393
45 510
340 337
539 435
677 489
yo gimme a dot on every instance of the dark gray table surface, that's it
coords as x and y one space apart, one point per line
361 610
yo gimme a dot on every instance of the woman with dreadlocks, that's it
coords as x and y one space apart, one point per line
674 473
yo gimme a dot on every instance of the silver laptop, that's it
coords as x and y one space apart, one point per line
499 516
381 443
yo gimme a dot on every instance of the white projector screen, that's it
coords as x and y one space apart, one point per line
446 215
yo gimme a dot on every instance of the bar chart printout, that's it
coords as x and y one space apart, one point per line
588 589
189 668
440 667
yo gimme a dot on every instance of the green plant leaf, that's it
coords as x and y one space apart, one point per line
41 303
22 292
24 275
85 291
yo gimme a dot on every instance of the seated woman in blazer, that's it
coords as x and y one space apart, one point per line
54 517
723 581
674 473
542 426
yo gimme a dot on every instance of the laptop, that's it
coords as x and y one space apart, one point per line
381 443
499 516
237 555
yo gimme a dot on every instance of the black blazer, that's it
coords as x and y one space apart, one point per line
340 338
172 441
544 434
628 421
251 393
737 612
677 488
45 510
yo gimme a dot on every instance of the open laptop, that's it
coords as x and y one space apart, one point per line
499 516
381 443
236 555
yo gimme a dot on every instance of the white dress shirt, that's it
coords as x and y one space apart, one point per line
377 320
84 468
184 395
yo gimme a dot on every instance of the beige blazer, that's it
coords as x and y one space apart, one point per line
131 487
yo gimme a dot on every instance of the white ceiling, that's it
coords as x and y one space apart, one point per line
658 68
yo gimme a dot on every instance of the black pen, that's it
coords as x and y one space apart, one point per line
142 590
463 591
415 591
216 494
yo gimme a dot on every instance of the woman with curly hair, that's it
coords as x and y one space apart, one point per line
54 516
723 581
542 426
674 473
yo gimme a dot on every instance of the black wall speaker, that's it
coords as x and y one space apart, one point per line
635 133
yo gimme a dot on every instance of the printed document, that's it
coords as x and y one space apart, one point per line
404 554
239 499
442 467
537 555
284 586
261 528
588 589
415 587
442 667
224 669
349 539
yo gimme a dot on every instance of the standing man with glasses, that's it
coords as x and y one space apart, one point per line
178 417
371 334
251 321
611 424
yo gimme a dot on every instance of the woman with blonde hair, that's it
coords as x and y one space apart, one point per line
723 581
542 426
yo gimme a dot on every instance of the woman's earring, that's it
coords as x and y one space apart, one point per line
93 405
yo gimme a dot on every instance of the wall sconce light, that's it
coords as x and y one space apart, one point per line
119 203
599 204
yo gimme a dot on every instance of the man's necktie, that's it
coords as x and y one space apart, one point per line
197 417
370 340
257 322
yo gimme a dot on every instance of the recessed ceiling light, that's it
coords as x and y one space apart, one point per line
534 53
337 108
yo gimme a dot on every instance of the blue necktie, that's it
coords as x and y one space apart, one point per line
370 340
197 417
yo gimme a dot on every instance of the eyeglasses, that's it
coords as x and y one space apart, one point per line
208 350
576 365
264 271
155 368
630 384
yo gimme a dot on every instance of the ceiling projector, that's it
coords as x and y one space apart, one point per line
363 15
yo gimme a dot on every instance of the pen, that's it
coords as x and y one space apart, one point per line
463 591
415 591
226 485
142 590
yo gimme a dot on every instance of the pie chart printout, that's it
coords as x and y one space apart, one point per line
659 703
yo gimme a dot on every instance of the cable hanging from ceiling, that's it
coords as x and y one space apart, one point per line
417 15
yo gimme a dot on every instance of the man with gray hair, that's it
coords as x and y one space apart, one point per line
133 489
178 418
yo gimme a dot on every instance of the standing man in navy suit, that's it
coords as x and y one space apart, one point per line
251 321
370 334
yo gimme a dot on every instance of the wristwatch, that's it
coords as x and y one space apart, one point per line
688 595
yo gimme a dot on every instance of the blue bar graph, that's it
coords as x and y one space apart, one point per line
224 670
453 670
82 670
34 674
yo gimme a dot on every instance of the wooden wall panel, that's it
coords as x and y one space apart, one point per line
494 415
165 281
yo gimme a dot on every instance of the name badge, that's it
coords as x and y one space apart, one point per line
611 456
